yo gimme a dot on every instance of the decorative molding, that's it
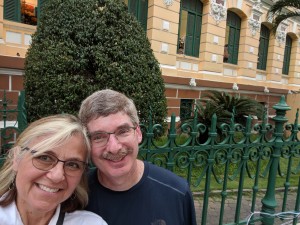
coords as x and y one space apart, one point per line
254 21
218 11
254 26
281 33
256 5
168 2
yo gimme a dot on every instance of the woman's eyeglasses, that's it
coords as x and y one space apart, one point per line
48 161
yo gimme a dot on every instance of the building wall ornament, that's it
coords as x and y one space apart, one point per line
254 21
254 26
281 33
218 11
168 2
256 5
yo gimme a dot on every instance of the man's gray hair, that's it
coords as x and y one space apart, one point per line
106 102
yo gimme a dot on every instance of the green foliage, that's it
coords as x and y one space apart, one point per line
81 47
225 105
282 10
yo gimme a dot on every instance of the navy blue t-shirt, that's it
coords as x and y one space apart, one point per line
159 198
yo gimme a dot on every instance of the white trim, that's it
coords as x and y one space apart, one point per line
9 124
11 72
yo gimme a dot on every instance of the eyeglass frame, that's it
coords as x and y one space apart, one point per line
90 135
85 164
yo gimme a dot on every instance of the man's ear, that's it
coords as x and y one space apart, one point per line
139 134
16 157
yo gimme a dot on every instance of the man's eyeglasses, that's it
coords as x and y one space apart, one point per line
48 161
101 138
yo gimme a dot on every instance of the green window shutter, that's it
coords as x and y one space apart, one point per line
40 7
287 55
12 10
139 8
234 26
190 35
143 13
194 9
263 48
132 7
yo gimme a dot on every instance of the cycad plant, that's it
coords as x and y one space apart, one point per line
282 10
226 107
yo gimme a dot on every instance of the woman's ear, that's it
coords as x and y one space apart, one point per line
16 157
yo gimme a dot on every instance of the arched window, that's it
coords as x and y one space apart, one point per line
232 38
139 8
287 55
190 27
263 48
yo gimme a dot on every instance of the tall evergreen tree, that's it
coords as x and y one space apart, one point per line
83 46
282 10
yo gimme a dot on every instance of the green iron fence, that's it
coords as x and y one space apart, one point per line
9 131
262 151
259 151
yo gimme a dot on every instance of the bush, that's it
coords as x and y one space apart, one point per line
84 46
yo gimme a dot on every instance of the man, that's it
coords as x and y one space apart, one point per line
123 189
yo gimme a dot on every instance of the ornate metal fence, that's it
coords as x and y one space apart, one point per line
262 151
232 152
17 116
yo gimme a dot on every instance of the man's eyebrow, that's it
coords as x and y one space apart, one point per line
124 125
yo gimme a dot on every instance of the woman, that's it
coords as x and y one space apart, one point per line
43 179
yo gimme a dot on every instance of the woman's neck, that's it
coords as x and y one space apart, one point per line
31 217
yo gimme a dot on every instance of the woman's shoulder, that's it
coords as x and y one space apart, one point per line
80 217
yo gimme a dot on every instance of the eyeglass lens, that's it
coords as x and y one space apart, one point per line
101 138
46 162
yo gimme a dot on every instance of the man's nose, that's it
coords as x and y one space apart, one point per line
113 144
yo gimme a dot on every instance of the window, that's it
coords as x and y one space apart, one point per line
139 8
263 48
186 109
23 11
232 38
12 10
190 27
287 55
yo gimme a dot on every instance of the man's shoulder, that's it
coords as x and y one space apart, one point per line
167 179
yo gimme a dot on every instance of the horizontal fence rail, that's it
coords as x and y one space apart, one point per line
232 158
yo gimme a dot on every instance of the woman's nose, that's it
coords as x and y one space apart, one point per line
57 173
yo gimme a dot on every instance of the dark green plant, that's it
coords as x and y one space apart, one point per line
282 10
87 45
226 107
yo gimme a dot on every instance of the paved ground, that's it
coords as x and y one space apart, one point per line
230 207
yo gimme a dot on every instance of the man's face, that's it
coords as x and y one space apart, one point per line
117 157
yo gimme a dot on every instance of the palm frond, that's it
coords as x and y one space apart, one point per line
282 10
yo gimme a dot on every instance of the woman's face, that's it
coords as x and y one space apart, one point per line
42 191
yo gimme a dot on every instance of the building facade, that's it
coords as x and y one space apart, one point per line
201 45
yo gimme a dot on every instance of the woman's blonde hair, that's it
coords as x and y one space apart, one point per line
57 129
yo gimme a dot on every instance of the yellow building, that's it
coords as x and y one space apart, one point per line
190 39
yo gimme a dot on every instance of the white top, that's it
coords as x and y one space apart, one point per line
9 215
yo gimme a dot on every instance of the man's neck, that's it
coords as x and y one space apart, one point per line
125 182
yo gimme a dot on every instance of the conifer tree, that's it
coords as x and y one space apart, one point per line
83 46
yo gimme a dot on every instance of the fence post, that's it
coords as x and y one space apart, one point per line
22 117
269 201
